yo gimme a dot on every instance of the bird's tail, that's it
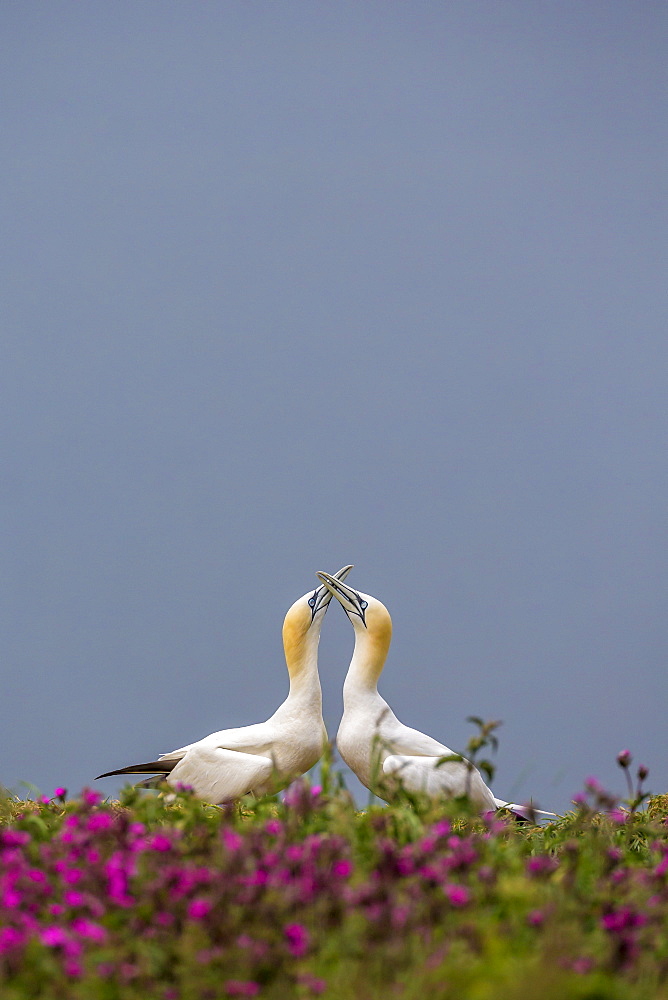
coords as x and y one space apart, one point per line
152 767
525 812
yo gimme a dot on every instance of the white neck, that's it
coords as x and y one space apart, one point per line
363 672
305 692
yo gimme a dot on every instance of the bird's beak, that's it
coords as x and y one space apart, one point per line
323 595
349 599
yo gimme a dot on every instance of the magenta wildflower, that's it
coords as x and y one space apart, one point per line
231 840
14 838
89 929
10 938
616 921
535 918
273 827
582 966
241 988
442 828
72 875
541 864
59 793
458 895
342 868
54 937
199 909
624 758
298 939
99 821
160 843
73 898
90 797
312 983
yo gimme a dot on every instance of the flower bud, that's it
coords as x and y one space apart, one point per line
624 758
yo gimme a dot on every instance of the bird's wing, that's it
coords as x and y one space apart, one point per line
219 775
450 779
256 739
401 739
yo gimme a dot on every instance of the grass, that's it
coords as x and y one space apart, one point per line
163 896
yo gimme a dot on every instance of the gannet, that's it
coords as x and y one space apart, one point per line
267 756
372 741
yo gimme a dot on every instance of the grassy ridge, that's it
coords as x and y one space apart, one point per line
166 897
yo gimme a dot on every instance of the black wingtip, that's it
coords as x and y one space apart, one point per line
152 767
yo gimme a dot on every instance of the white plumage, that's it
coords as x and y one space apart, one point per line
268 755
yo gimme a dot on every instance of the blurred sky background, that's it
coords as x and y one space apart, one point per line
289 285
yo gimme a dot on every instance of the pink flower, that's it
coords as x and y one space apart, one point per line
622 919
258 877
231 840
99 821
54 937
273 827
90 797
160 843
442 828
10 938
457 894
14 838
241 988
88 929
342 868
535 918
59 793
298 939
312 983
73 898
624 758
199 909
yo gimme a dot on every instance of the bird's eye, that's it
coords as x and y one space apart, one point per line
311 602
364 605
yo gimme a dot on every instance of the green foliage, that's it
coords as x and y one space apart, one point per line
160 895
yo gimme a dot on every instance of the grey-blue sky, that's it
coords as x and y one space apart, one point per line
291 285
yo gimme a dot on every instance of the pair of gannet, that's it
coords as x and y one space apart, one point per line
373 742
261 758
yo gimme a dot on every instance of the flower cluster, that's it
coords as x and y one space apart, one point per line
163 896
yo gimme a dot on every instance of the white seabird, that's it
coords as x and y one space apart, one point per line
264 757
371 739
